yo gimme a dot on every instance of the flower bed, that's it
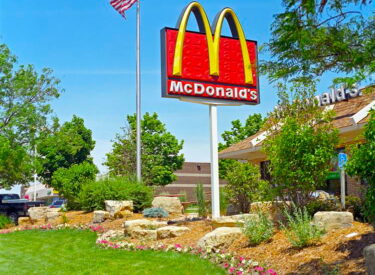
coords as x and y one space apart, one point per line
233 264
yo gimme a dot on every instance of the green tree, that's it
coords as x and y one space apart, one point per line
244 185
237 133
65 146
312 37
300 145
362 164
160 151
15 164
24 110
69 181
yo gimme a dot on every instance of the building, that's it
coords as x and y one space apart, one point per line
351 114
191 174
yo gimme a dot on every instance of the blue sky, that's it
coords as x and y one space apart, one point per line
91 49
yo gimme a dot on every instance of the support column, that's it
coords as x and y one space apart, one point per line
215 191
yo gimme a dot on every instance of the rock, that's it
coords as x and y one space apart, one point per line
144 234
232 221
130 226
369 254
37 213
221 237
24 221
113 207
52 216
330 220
171 231
100 216
123 214
170 204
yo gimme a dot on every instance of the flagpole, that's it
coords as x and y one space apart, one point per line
138 91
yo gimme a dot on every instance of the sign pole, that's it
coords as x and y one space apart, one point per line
343 158
342 181
215 191
138 97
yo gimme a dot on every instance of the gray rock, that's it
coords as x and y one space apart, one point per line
221 237
171 204
38 213
369 253
52 216
330 220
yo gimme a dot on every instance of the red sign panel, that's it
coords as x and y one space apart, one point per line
195 79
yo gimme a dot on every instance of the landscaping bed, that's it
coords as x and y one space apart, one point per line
338 252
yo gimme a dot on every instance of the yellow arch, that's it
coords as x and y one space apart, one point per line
177 64
213 44
241 35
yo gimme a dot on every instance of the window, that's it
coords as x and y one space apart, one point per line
199 167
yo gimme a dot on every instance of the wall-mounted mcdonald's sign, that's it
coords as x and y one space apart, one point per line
206 64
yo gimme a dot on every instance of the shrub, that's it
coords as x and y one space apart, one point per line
299 230
321 205
94 193
201 200
69 181
223 201
355 205
258 230
5 222
244 185
155 212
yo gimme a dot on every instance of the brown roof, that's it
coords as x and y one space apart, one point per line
344 110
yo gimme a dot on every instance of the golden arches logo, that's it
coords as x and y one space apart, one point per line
213 41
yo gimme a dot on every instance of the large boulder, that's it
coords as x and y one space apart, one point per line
221 237
171 231
330 220
171 204
132 225
38 213
232 221
100 216
116 207
144 234
369 253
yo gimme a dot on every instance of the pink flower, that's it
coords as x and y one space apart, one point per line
241 259
239 273
226 265
177 245
259 268
232 269
272 272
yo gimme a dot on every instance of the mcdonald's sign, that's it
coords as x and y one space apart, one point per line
206 64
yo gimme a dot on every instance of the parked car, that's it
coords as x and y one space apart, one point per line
57 204
12 206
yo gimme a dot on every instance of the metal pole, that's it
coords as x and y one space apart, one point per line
35 176
215 191
138 97
342 180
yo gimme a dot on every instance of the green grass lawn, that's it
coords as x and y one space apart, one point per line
74 252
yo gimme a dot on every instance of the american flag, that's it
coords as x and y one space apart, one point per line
122 5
